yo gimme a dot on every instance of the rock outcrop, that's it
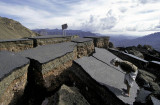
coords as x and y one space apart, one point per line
66 96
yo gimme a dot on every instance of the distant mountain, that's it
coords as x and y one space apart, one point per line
117 39
59 32
151 39
10 29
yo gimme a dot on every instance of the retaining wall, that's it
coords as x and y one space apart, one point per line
13 77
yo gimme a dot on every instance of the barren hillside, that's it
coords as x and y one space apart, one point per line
10 29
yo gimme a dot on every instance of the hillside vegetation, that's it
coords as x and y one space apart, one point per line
10 29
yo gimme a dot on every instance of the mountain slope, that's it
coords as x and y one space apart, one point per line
10 29
151 39
59 32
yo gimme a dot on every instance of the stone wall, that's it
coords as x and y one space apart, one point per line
13 77
16 45
150 66
100 42
140 63
85 46
50 39
97 94
24 44
41 70
51 60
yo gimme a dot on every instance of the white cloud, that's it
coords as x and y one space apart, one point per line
103 16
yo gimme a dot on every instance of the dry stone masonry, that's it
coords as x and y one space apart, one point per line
13 77
51 61
100 42
16 45
50 39
85 46
41 66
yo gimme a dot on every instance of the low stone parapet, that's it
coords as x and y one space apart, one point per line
13 77
16 45
100 41
85 46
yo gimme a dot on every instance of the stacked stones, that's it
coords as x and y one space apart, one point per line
50 39
50 61
13 77
85 46
40 69
16 45
100 42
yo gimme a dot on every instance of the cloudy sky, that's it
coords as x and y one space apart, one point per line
131 17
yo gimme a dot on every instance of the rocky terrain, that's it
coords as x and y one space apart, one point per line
11 29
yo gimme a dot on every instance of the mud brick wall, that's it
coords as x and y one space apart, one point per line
13 77
49 63
16 45
100 42
50 39
85 46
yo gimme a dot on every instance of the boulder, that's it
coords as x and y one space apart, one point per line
66 96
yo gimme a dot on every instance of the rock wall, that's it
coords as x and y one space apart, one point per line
140 63
50 61
100 42
24 44
85 46
150 66
97 94
13 77
50 39
42 69
16 45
